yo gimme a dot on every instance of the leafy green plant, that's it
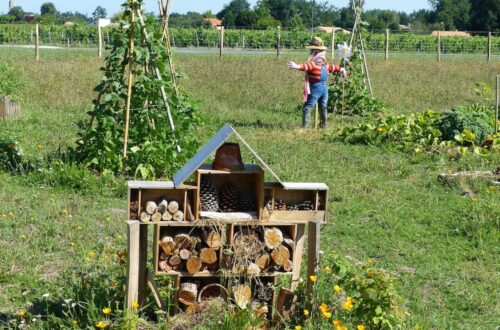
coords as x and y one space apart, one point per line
350 295
403 132
350 95
154 150
475 118
11 154
10 84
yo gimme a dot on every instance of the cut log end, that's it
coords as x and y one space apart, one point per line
273 237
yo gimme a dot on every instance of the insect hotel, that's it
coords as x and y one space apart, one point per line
227 234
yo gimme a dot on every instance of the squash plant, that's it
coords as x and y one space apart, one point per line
154 150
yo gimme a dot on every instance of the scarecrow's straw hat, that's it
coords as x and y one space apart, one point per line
316 43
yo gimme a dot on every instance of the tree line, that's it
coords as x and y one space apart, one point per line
50 15
470 15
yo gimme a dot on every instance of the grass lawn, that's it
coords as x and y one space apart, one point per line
384 205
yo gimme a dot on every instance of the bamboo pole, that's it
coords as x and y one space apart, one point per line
221 46
333 43
313 241
37 42
387 44
316 114
130 76
278 41
99 41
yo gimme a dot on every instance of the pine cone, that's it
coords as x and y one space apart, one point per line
209 196
247 202
228 201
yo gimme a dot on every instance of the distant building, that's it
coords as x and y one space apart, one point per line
330 29
214 23
102 22
69 24
451 33
403 27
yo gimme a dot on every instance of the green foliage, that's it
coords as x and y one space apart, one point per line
351 95
350 295
475 119
154 150
10 83
403 132
11 154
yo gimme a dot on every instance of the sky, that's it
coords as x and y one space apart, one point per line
182 6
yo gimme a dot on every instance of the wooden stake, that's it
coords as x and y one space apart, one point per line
316 116
489 46
37 43
221 44
156 293
130 77
297 254
99 41
278 41
439 46
497 119
387 44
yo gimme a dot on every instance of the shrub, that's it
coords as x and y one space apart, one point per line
474 118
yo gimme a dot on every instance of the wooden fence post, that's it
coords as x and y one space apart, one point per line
497 124
221 43
99 41
439 46
489 46
312 252
278 41
37 42
333 43
133 251
387 44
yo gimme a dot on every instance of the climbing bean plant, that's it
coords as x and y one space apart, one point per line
153 150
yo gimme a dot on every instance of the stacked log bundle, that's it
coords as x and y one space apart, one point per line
163 211
254 252
192 253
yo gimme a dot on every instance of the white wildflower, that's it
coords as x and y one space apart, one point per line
45 296
344 51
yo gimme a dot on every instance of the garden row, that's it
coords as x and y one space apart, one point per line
253 39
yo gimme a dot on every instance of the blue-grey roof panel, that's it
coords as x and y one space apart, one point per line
211 146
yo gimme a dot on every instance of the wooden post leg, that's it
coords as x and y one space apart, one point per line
312 252
133 251
297 258
143 259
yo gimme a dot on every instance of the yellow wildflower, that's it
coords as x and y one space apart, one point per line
4 216
337 288
21 314
298 327
11 214
313 278
101 325
328 269
342 328
327 315
72 244
306 312
324 308
74 323
135 305
90 254
361 327
348 304
337 323
106 311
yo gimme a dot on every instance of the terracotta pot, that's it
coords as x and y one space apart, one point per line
228 158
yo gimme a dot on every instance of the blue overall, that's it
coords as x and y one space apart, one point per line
319 94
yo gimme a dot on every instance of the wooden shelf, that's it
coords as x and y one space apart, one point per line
219 274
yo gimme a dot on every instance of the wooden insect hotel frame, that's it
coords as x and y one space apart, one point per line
227 234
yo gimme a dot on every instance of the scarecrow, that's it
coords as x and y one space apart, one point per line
315 84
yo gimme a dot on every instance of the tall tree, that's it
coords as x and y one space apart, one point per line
453 14
485 15
18 13
99 12
48 8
